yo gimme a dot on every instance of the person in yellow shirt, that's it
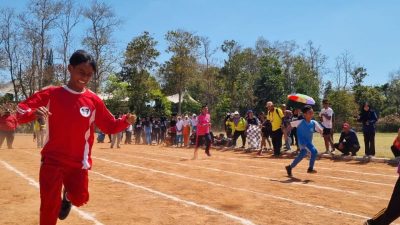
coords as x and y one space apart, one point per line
240 126
275 115
39 129
230 126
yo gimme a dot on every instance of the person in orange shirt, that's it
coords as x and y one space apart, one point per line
186 131
396 145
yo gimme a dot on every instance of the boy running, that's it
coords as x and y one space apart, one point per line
70 111
305 130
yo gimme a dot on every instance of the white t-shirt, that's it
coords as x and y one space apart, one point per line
130 128
325 122
193 121
179 127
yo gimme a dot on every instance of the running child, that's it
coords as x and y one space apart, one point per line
70 111
305 130
203 131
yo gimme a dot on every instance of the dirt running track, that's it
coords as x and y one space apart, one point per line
158 185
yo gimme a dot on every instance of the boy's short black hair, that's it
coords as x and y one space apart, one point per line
81 56
306 108
325 101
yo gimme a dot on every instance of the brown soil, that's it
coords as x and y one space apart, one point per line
140 184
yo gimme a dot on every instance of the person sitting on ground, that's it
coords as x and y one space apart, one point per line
396 145
220 140
348 141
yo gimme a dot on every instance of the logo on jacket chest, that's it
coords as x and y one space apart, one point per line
85 111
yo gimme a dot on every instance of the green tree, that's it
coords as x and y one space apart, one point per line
116 94
358 75
307 79
231 69
328 89
394 91
270 85
182 66
372 95
49 69
344 106
140 57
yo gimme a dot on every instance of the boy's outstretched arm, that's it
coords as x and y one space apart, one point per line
34 107
107 123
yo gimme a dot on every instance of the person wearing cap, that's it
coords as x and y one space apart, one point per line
275 116
193 123
8 125
186 131
348 141
240 125
230 126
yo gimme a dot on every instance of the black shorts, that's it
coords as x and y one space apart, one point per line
327 131
203 139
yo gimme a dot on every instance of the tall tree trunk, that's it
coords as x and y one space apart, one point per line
20 82
180 101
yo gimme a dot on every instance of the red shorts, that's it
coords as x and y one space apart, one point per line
51 178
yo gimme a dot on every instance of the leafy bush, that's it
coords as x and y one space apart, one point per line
389 123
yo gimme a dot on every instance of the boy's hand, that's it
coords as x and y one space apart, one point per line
130 118
42 112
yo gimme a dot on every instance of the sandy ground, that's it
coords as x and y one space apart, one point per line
139 184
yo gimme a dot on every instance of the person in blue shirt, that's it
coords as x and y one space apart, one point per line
305 130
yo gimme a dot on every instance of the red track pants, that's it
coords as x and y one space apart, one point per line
52 177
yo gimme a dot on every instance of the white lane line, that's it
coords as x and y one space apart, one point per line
330 210
239 219
256 177
176 199
282 164
317 175
32 182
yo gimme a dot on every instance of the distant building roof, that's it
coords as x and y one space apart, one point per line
7 88
175 98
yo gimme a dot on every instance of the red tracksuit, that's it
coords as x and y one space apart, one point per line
66 154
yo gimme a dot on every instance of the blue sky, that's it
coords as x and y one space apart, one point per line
369 30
